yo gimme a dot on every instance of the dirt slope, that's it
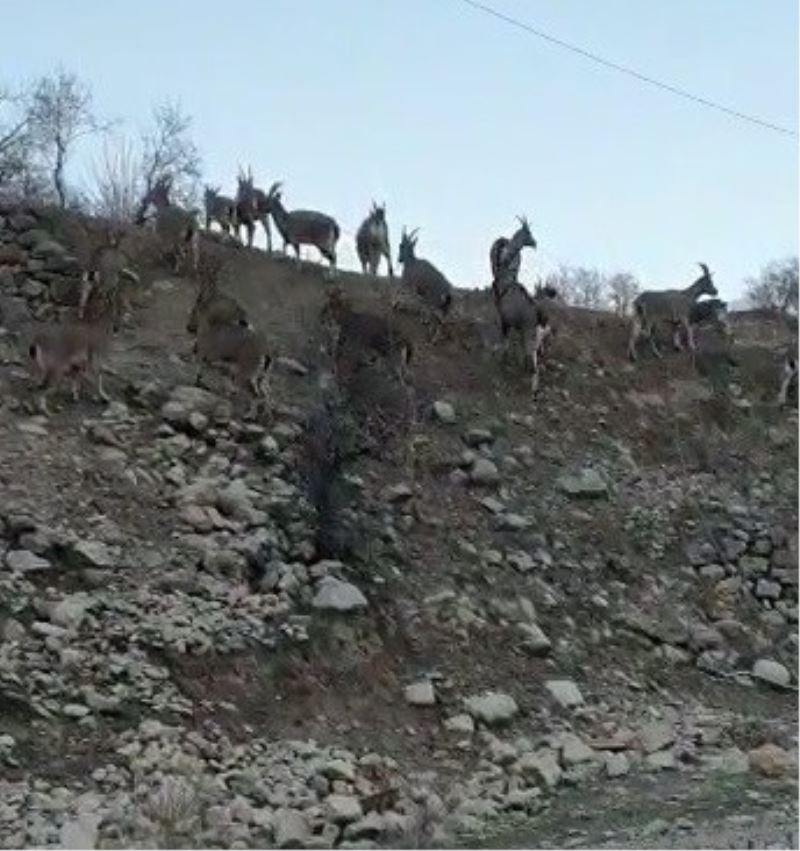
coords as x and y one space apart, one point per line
632 530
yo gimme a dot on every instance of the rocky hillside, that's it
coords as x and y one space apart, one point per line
371 615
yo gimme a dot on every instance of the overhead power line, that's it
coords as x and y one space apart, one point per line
644 78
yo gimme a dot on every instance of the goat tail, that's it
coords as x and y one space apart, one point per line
337 232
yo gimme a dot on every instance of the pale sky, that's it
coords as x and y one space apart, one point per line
460 122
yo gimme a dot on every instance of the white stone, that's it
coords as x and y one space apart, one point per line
420 694
772 672
339 596
491 707
565 692
444 412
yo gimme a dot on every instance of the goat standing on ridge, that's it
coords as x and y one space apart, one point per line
304 227
671 307
505 255
372 241
175 226
424 278
220 209
252 205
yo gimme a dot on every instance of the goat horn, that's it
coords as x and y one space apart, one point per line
705 269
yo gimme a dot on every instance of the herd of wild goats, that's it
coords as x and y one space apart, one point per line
224 335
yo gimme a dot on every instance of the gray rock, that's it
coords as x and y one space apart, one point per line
70 611
542 765
372 826
768 590
81 832
617 764
444 412
656 735
574 750
460 724
24 561
661 761
731 761
492 708
753 566
772 672
565 692
484 472
339 596
586 484
534 639
338 769
89 553
420 693
343 809
291 829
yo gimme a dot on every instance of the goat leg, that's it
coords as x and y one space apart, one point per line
636 332
689 334
104 397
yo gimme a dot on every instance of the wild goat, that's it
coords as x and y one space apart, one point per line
372 241
505 255
304 227
107 270
211 307
357 332
175 226
237 346
671 307
788 373
424 278
520 312
252 205
75 349
220 209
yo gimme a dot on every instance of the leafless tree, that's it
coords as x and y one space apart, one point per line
20 168
127 170
117 181
168 150
59 113
775 287
622 290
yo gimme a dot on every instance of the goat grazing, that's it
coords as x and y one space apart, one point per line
671 307
239 347
174 225
252 205
519 311
211 307
107 270
220 209
505 255
372 241
356 332
424 278
304 227
75 349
